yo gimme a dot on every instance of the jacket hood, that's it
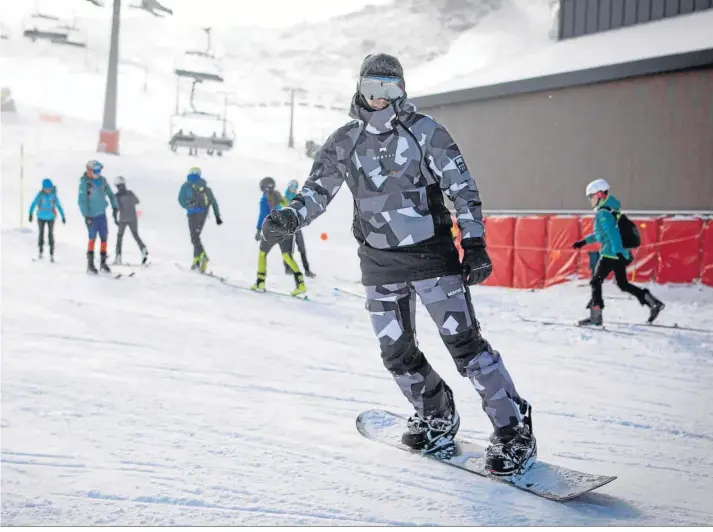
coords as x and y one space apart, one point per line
47 183
611 202
382 120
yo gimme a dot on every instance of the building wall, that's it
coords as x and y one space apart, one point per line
584 17
651 137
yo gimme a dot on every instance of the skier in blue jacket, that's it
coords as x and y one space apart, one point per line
613 256
47 204
197 197
93 192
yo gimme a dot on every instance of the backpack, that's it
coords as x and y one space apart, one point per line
200 196
630 236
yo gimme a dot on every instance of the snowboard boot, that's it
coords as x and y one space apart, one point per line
595 317
512 449
654 304
434 434
259 285
300 282
117 259
102 263
90 263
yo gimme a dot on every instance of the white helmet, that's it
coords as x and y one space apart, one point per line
598 185
119 181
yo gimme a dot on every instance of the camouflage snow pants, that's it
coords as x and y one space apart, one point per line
393 309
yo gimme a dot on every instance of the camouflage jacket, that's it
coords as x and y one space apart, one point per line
398 164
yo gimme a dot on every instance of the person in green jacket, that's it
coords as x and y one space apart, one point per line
613 256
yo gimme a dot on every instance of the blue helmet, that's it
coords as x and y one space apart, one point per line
47 183
194 174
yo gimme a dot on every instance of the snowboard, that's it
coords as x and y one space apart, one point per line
545 480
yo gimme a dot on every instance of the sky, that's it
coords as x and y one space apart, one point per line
215 13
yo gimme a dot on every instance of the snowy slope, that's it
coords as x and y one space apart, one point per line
168 399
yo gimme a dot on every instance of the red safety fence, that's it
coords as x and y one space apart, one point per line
500 242
536 251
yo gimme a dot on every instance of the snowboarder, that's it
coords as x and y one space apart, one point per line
47 204
614 257
290 194
398 164
93 191
272 199
128 218
197 197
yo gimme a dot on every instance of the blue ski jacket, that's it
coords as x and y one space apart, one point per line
196 196
93 194
47 204
606 231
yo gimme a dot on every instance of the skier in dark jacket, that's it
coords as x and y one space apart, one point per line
299 239
613 256
197 197
47 204
272 199
398 164
127 217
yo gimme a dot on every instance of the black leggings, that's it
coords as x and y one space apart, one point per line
50 236
604 267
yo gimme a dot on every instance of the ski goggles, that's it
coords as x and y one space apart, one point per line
379 87
95 166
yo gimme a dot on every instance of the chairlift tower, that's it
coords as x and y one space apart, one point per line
109 135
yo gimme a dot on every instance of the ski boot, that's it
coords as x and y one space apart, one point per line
259 285
204 262
144 256
300 289
196 263
90 263
433 434
310 274
117 259
512 449
102 263
654 304
595 317
51 257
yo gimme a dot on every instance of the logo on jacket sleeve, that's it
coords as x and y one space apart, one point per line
460 164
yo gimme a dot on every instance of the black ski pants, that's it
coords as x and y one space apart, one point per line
134 228
196 221
604 267
49 224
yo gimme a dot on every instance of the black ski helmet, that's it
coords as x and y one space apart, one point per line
267 182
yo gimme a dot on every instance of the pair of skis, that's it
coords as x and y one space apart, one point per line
675 326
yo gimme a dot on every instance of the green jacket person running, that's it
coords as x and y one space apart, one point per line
613 256
197 197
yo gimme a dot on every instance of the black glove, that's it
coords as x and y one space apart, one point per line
115 213
64 220
218 220
279 225
88 221
477 266
624 259
30 218
579 244
257 236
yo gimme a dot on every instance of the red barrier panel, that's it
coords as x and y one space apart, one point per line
679 250
455 233
561 259
646 256
530 245
500 238
586 227
707 254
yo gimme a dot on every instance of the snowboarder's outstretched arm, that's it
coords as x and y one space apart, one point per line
447 163
325 180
